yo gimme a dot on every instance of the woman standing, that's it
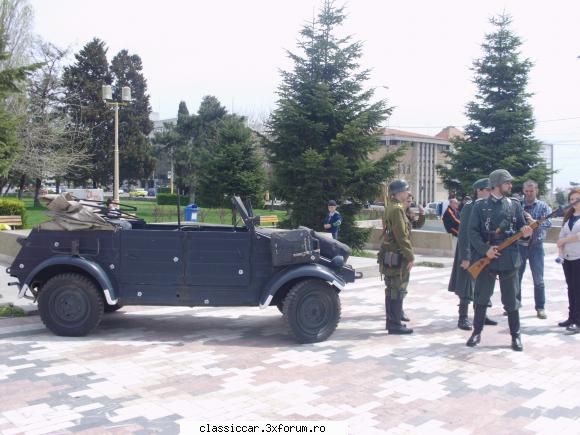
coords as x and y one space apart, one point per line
569 245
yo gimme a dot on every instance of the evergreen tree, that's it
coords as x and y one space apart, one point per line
233 167
136 155
198 136
325 128
500 131
11 82
91 121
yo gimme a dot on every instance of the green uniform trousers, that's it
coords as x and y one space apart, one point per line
509 284
397 281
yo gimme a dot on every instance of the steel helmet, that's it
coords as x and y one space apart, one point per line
498 177
397 186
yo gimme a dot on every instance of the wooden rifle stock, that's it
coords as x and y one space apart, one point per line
476 268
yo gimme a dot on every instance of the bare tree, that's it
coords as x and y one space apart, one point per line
48 151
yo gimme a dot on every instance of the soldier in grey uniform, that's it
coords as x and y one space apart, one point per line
461 283
492 221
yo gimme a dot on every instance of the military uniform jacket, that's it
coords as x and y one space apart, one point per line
460 281
492 221
398 230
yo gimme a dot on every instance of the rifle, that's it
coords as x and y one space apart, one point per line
476 268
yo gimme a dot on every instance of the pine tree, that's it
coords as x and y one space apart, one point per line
136 156
12 81
233 167
500 131
91 121
325 128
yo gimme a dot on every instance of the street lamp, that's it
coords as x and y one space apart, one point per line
108 100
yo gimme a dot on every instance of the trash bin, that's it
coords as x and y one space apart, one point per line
191 213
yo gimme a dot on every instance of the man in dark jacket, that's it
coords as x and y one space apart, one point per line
451 217
332 220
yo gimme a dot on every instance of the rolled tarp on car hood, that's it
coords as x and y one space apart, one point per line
72 216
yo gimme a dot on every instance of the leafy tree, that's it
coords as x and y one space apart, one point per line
325 128
234 166
91 121
136 156
500 131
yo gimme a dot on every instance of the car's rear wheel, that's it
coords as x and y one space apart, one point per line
312 310
70 305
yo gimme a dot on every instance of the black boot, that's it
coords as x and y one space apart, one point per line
514 323
387 308
463 322
395 325
478 321
490 322
404 317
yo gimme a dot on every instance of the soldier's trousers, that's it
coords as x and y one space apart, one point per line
509 284
397 281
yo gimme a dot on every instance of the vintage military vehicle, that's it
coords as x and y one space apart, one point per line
83 264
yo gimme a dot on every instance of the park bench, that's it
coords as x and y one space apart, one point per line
13 221
269 219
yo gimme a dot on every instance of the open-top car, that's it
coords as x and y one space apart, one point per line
85 263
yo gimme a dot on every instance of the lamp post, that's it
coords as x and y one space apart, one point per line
108 100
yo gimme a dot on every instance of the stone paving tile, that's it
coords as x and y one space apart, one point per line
160 369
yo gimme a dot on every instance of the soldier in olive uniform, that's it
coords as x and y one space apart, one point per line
492 221
398 242
461 283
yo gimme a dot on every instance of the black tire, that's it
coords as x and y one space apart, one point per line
112 308
70 305
312 310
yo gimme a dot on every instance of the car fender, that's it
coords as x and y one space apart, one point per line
302 271
90 267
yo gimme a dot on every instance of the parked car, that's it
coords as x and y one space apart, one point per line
138 193
84 265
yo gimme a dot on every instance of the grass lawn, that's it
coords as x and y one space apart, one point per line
151 212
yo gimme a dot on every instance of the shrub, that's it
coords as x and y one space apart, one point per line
13 207
169 199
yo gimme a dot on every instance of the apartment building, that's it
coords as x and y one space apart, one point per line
418 164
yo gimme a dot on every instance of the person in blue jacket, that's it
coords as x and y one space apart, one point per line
332 220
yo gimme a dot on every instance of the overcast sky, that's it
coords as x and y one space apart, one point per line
421 50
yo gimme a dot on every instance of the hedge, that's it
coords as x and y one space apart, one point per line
171 199
13 207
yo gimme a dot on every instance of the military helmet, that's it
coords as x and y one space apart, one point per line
397 186
498 177
482 183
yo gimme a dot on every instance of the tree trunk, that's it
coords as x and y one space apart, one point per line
57 184
21 186
37 186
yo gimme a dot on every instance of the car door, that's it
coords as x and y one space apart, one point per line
152 266
217 269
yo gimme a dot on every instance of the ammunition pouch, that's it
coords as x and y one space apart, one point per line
392 259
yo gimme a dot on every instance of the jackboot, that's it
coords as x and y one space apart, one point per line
463 322
404 317
387 308
514 323
395 325
490 322
478 321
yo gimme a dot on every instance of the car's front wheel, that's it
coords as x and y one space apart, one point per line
70 305
312 310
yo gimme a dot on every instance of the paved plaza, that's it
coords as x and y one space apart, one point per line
159 369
